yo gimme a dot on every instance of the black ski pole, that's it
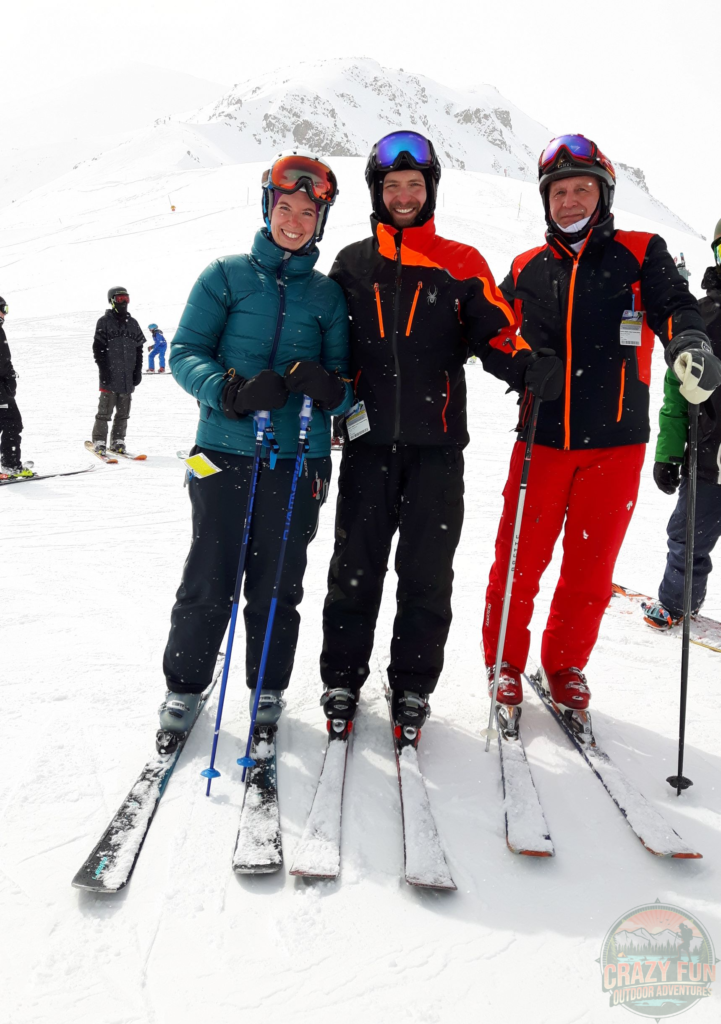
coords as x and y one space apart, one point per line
679 781
512 563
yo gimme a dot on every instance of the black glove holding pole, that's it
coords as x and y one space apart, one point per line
544 375
308 378
264 391
667 476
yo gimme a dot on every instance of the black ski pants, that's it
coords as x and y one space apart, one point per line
11 426
706 534
109 401
417 491
203 603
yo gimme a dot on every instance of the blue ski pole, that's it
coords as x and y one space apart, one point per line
306 414
262 422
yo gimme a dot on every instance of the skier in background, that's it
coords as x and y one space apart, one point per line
419 304
118 351
670 469
259 331
156 349
11 423
597 295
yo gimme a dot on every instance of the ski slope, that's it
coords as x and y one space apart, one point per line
90 567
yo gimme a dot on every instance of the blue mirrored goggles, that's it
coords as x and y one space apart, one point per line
414 145
716 253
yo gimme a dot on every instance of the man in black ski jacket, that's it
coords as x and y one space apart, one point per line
118 351
419 306
11 423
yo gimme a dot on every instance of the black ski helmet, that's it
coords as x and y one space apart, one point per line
572 156
3 306
112 292
404 161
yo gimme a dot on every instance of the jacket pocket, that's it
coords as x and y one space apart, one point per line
377 290
445 407
419 286
621 391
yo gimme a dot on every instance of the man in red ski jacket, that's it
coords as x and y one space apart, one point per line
419 306
597 296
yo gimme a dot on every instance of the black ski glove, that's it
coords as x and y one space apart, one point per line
544 375
264 391
137 378
667 476
308 378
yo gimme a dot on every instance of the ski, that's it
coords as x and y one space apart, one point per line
9 479
258 847
705 632
649 825
156 373
110 865
127 455
318 853
424 861
103 458
526 830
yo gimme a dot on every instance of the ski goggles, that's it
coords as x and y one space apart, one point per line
290 173
121 298
716 246
416 146
578 147
4 309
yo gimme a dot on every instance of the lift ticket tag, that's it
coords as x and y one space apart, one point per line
631 327
356 421
201 466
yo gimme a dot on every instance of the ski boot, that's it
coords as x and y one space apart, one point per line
100 447
270 706
177 714
117 448
24 471
161 369
569 691
658 617
410 711
340 704
336 443
510 685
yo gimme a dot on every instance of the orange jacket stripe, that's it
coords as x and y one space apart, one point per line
623 386
376 289
413 307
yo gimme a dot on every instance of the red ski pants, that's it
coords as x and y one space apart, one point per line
595 491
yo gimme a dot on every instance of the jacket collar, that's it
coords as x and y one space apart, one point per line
421 239
711 283
270 256
597 237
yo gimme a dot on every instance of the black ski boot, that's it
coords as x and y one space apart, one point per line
340 704
177 714
270 706
410 711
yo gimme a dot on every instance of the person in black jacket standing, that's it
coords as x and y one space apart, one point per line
11 423
669 471
419 306
118 351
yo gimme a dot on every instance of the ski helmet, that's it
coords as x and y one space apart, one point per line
403 151
715 245
299 169
569 156
153 327
114 295
4 308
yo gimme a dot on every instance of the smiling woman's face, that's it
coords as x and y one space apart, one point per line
293 220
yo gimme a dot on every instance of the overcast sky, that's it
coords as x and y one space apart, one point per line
641 77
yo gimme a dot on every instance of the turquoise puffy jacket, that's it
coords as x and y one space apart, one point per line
240 309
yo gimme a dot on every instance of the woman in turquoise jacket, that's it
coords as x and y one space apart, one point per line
258 332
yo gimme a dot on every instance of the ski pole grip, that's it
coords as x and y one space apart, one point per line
262 420
306 412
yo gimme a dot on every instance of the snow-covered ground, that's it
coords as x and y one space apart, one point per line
90 565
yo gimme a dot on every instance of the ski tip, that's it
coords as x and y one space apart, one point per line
439 886
687 856
314 876
86 885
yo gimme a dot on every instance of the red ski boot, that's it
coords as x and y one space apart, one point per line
568 688
510 686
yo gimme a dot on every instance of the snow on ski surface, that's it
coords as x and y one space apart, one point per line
90 568
318 852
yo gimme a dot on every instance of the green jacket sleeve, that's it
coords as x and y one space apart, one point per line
673 421
335 354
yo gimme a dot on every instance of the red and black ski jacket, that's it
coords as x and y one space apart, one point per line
574 303
419 306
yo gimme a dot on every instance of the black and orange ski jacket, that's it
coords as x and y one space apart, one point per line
419 306
574 304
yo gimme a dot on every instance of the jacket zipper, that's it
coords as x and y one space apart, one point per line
620 397
281 310
396 315
376 289
413 308
569 347
448 398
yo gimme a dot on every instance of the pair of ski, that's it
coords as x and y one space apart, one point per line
110 457
526 829
10 478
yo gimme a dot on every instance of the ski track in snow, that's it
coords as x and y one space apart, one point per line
93 564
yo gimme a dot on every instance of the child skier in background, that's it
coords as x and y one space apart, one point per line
156 349
668 472
11 423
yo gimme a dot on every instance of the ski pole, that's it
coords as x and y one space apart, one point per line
512 562
306 414
679 781
262 421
